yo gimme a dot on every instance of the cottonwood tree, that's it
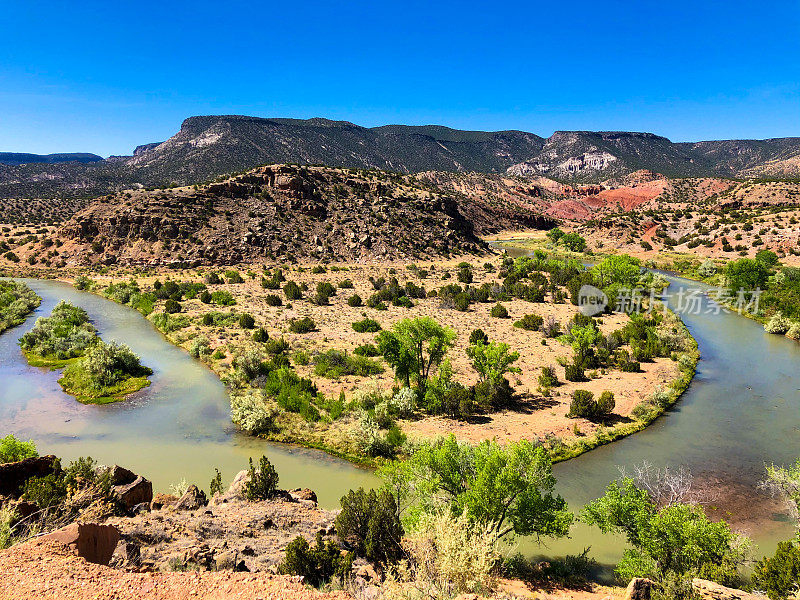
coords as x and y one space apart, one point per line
414 347
508 488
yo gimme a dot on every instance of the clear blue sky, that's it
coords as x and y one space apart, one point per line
105 76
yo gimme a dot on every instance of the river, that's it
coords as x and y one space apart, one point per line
740 412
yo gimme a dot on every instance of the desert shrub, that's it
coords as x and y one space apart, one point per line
354 300
251 414
346 284
574 373
605 403
317 564
451 554
246 321
205 297
262 483
13 450
551 327
167 323
465 274
461 302
366 325
707 268
292 291
222 298
260 335
369 523
233 276
403 402
335 363
304 325
530 322
276 346
273 300
212 278
582 404
171 306
499 311
478 335
779 575
548 377
373 442
369 350
215 487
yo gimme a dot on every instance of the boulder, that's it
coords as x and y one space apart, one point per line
126 555
708 590
14 475
94 542
236 489
161 500
133 493
193 499
639 589
304 494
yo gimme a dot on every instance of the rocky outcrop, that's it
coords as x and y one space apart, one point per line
94 542
278 212
14 475
129 488
639 588
228 532
708 590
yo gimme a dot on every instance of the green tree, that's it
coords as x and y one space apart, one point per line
493 360
621 269
746 274
413 347
574 242
507 488
672 540
555 234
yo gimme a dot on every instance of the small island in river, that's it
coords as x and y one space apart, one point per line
95 372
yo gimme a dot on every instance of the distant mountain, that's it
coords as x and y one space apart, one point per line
591 155
21 158
209 146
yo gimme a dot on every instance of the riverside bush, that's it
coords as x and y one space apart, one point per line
251 414
102 367
17 300
65 334
779 574
777 324
336 363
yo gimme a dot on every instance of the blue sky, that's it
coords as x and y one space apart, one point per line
105 76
